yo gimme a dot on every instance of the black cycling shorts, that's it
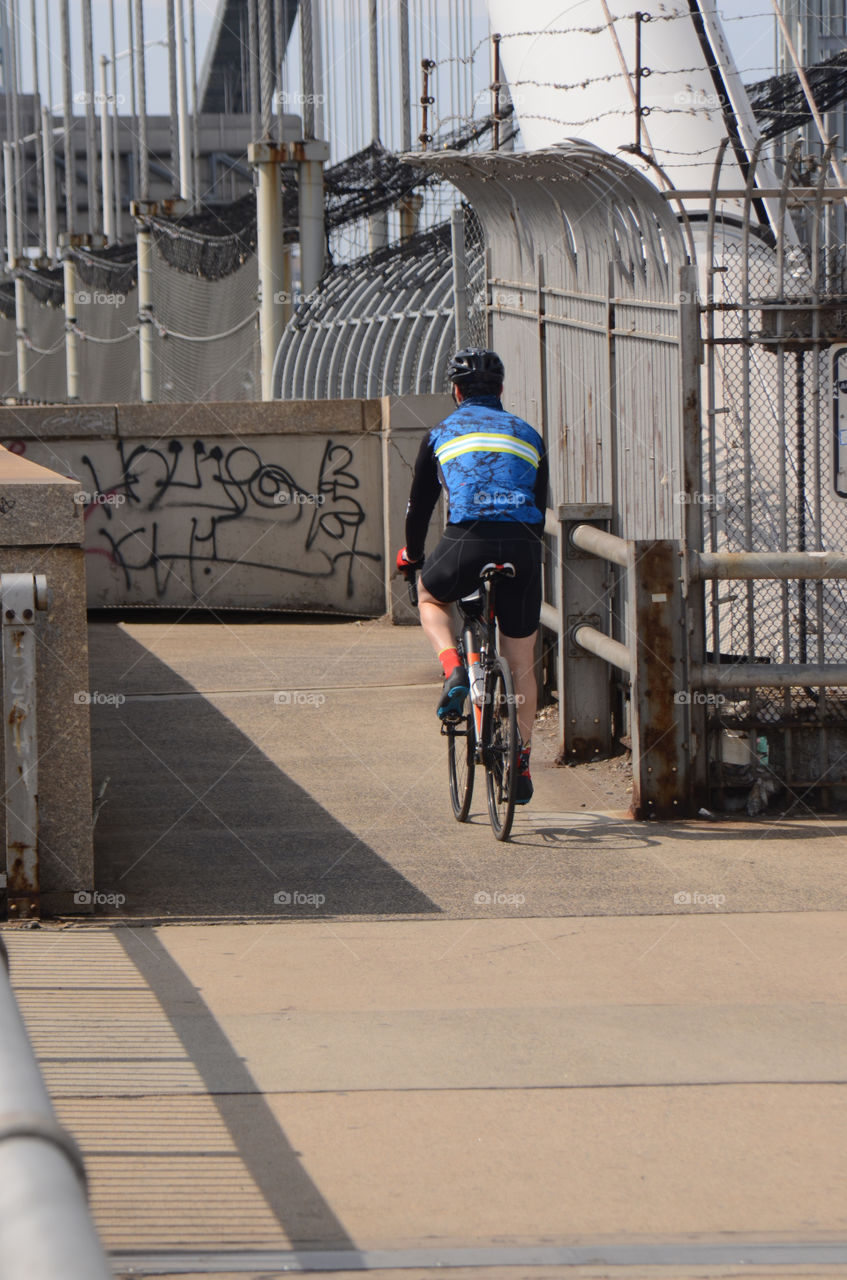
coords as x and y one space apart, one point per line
452 571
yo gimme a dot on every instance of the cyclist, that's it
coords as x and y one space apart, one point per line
493 468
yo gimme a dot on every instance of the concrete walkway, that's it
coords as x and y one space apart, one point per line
601 1050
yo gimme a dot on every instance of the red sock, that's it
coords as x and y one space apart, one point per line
450 660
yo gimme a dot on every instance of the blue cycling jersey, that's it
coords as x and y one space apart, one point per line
488 461
491 465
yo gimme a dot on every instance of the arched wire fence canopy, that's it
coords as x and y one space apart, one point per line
583 290
381 325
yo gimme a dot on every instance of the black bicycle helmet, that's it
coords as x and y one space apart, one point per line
476 368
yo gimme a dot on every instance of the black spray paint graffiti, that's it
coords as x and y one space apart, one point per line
211 490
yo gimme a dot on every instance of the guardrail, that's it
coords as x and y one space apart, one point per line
651 600
46 1231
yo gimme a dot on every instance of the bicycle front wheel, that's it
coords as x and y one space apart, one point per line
500 747
460 762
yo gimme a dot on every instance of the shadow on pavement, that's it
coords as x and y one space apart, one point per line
197 820
304 1215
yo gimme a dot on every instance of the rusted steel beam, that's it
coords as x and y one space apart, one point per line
660 725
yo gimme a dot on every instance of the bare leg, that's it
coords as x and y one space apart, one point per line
436 620
520 655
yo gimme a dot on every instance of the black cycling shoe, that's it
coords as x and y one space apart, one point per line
523 782
456 690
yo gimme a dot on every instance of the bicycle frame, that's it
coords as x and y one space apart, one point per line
488 727
479 645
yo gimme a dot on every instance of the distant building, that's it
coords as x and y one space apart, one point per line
223 171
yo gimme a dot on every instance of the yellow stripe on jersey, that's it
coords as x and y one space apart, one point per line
487 442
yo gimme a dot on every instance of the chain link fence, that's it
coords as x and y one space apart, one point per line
769 481
475 262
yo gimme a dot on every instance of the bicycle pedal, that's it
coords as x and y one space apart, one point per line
449 722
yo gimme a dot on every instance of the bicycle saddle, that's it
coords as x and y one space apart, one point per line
489 571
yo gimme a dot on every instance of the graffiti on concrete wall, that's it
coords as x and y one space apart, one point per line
179 517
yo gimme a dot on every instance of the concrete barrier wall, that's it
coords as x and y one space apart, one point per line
41 531
291 506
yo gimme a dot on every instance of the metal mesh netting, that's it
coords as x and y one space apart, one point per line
374 179
212 244
773 489
46 285
779 102
112 269
206 333
8 358
8 346
475 259
107 324
44 327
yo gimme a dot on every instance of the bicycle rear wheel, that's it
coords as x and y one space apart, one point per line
460 762
500 747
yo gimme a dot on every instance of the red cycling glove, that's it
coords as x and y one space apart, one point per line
406 566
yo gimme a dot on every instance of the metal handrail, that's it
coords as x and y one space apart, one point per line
608 546
46 1231
750 566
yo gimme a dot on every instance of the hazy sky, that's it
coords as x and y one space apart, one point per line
750 35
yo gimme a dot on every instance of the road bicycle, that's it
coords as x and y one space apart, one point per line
484 731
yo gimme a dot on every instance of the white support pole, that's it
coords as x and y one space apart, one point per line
144 243
312 226
106 156
71 335
67 108
378 222
50 221
94 218
271 255
195 105
318 71
21 336
115 126
405 78
9 189
186 177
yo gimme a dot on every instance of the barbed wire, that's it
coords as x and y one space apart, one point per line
591 31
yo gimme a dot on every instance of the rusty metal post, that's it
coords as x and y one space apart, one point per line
584 680
659 707
20 595
427 100
690 362
495 92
